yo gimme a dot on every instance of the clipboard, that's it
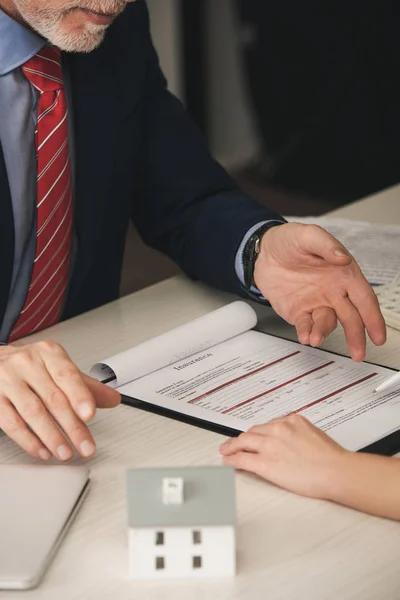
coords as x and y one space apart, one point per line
386 446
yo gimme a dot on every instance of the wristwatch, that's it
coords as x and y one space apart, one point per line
252 250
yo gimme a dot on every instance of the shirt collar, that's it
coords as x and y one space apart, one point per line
17 44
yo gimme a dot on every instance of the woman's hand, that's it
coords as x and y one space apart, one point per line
291 453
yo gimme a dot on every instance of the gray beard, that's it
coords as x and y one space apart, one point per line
49 24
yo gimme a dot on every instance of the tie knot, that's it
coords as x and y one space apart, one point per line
44 70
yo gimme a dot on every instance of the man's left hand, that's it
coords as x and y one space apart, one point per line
312 281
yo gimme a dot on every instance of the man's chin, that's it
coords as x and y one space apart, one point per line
83 45
85 40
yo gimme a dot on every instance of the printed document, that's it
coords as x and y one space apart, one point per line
217 369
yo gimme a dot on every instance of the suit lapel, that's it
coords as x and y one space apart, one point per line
7 239
94 124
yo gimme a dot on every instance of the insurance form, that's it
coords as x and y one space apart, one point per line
254 377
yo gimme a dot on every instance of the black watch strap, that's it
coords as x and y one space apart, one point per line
252 250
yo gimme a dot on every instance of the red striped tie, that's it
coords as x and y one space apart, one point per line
54 214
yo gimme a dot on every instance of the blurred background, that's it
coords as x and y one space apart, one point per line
298 100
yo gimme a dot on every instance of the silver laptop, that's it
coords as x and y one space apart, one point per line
37 504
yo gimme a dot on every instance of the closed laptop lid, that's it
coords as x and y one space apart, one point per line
36 506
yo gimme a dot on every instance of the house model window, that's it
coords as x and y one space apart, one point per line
196 537
197 562
160 563
159 538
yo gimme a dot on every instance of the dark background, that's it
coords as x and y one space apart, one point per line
322 79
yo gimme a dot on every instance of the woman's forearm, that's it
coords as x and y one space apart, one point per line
297 456
368 483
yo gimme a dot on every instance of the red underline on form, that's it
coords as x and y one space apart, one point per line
220 387
346 387
228 410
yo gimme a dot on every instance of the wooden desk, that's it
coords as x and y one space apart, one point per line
288 547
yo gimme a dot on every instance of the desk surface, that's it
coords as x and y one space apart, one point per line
288 547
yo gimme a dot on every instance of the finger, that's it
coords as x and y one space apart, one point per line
16 429
367 304
61 411
295 419
58 409
318 242
353 329
304 326
68 379
105 396
245 461
324 322
34 413
266 427
246 442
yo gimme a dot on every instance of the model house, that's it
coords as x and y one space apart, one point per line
181 522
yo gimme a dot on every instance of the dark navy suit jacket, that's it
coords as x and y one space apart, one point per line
137 155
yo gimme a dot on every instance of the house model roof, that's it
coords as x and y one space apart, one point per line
209 497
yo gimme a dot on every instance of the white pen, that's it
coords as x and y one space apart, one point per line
389 382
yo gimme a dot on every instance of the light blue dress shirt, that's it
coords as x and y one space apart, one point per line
18 114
